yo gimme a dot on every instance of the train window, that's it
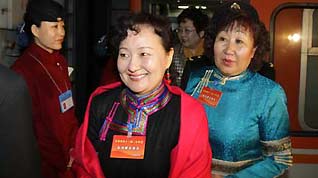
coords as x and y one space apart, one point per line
308 74
294 52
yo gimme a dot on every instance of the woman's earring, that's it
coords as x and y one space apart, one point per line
168 77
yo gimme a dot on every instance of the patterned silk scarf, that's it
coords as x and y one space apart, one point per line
138 108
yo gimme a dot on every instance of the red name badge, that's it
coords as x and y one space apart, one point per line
132 147
210 96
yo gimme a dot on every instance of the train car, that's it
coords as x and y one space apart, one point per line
293 29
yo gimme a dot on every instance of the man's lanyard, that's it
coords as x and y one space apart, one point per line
48 73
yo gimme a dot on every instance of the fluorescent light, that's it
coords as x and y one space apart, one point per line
183 7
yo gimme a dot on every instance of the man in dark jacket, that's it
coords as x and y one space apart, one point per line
19 156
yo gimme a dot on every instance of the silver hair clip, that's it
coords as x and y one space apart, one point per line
235 6
22 28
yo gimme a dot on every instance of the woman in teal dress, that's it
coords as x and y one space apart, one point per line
247 113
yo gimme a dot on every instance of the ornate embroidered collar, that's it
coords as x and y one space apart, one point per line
222 79
139 108
215 76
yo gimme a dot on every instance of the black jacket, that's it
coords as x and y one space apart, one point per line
19 155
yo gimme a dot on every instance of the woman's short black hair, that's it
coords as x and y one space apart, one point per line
199 19
242 14
160 24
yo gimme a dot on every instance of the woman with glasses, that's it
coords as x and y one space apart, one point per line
188 52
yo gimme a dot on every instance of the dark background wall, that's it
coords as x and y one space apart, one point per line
92 20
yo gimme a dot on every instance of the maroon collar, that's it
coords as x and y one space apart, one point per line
44 56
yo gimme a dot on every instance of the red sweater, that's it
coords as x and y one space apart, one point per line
191 158
55 131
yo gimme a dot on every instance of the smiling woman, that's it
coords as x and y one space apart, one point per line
142 60
141 128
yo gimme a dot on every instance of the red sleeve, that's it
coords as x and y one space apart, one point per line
192 157
86 162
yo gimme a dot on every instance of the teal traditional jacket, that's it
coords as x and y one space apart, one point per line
248 122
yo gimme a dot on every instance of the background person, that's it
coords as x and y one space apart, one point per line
19 154
45 72
143 127
192 23
247 113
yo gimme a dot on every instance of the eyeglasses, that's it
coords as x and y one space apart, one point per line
186 30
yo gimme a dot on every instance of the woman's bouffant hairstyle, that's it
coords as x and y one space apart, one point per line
242 14
131 22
